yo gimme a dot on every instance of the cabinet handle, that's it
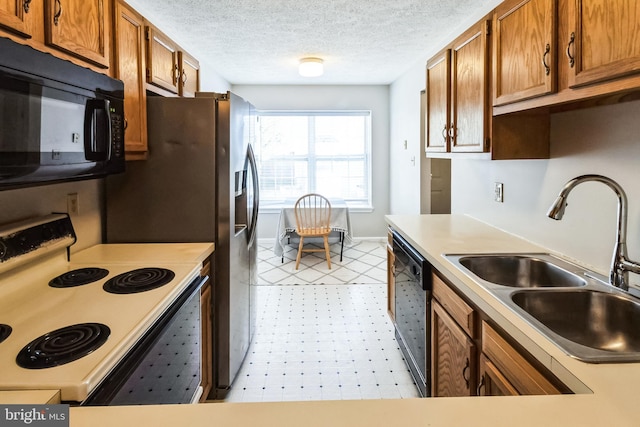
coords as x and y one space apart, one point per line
547 69
464 376
26 5
480 385
184 77
452 132
176 73
572 40
444 133
56 16
126 123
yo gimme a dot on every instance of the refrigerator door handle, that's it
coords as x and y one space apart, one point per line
256 195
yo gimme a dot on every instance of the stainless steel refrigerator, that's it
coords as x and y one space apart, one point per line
199 184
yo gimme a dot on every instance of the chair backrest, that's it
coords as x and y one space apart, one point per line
313 211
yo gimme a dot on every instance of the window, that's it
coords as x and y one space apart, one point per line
326 152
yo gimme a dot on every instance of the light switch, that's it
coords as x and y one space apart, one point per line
498 191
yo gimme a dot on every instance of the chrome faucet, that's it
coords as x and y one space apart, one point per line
620 264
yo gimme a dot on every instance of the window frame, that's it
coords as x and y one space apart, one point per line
362 205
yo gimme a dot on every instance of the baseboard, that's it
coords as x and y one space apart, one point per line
272 240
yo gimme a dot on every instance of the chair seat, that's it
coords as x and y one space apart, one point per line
313 213
311 232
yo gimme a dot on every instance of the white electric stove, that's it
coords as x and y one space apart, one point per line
128 290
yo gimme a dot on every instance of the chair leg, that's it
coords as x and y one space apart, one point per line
326 251
299 252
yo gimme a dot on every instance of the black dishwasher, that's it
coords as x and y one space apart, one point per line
413 286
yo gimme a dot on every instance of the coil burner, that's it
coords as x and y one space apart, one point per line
63 345
139 280
79 277
5 331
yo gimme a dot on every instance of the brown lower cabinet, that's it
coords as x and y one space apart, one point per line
470 357
206 319
492 381
453 358
507 371
391 284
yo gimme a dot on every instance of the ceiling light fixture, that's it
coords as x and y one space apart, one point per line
310 67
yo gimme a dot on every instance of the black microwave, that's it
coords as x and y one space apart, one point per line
58 121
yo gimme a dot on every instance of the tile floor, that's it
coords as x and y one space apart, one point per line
323 334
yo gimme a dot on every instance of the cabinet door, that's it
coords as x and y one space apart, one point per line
603 40
15 16
454 366
130 68
206 317
79 27
492 382
438 101
189 75
513 366
162 61
524 63
391 285
470 109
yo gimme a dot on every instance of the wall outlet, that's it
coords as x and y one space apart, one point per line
73 204
498 192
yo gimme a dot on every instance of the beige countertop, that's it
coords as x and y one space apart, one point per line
606 394
29 397
145 252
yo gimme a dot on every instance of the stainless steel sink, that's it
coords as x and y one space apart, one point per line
575 308
520 271
596 324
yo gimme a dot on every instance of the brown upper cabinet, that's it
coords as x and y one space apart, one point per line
16 16
438 101
146 59
525 50
168 67
80 28
189 74
130 67
602 40
458 110
593 59
76 30
162 60
459 114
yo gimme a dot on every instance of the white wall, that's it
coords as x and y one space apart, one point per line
601 140
406 188
406 161
38 201
210 81
374 98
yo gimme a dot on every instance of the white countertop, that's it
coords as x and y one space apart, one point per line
606 393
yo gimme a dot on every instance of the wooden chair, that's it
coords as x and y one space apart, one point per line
313 212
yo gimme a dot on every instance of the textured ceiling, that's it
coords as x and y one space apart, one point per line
261 41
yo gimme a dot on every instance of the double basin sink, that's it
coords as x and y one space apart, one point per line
573 307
